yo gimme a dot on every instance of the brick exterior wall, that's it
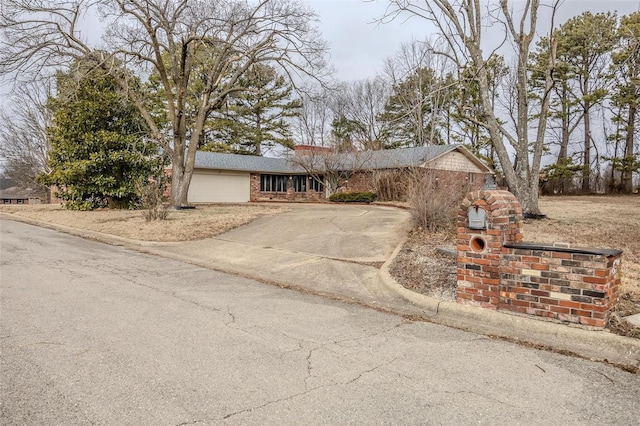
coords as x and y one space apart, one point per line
359 182
496 270
290 195
365 181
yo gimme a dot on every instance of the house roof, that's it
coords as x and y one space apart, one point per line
406 157
246 163
17 193
382 159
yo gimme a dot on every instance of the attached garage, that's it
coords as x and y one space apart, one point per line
216 186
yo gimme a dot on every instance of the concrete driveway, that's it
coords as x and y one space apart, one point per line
325 249
359 233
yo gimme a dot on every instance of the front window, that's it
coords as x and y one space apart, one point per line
300 183
315 184
273 183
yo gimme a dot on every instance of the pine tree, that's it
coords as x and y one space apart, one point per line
585 43
626 98
254 119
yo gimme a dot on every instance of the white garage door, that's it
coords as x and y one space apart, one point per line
219 187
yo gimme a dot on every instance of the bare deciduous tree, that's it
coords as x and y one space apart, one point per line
360 103
462 23
333 168
418 107
197 51
24 143
312 126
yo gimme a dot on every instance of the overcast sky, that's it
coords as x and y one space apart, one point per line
359 45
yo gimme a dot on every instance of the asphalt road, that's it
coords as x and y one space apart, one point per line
96 334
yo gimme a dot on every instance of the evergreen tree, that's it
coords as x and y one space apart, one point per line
565 113
256 118
626 99
585 43
99 150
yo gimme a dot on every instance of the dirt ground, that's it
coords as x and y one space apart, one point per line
585 221
181 225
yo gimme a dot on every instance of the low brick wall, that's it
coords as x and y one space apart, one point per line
497 270
572 285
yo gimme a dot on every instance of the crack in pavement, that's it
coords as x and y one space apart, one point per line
309 367
313 256
377 367
192 422
132 279
310 390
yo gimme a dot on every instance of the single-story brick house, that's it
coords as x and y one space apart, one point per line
17 195
219 177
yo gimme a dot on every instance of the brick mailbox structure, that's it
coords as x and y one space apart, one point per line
497 270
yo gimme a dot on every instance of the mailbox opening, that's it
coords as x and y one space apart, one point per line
478 244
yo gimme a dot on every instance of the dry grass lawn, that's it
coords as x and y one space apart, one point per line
181 225
594 221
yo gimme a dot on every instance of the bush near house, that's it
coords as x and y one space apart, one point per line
435 198
353 197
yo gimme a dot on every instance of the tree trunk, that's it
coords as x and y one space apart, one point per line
586 163
177 177
586 172
257 147
564 141
180 181
528 198
627 174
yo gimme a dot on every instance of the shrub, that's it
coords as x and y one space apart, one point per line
434 200
152 200
353 197
392 185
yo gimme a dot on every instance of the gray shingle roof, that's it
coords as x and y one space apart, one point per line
15 193
404 157
245 163
383 159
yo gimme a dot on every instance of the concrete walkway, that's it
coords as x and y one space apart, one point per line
344 252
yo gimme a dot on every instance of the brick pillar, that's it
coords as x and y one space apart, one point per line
496 219
254 186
